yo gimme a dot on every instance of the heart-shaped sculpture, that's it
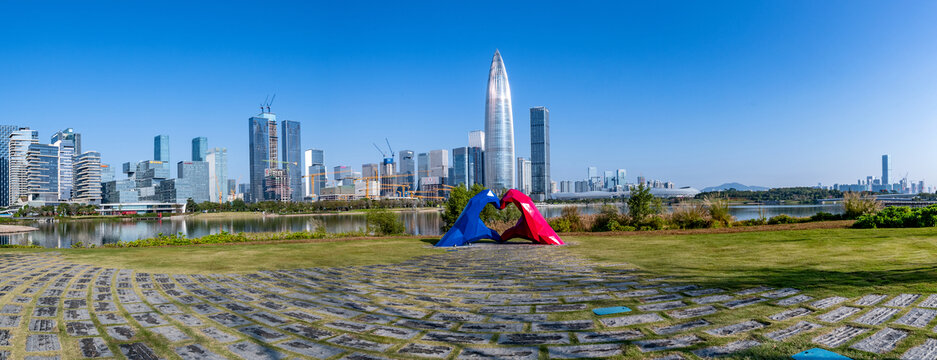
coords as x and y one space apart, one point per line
469 227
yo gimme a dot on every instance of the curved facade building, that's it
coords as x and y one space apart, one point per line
499 128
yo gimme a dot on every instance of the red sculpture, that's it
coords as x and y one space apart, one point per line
531 226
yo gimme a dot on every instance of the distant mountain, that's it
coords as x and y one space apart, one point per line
736 186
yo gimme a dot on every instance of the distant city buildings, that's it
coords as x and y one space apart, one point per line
269 180
540 189
523 175
315 165
161 148
291 158
217 159
199 148
87 188
406 167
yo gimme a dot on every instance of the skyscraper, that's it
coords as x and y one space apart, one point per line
5 131
422 163
292 158
161 148
523 175
199 148
476 139
217 160
262 155
66 165
370 171
315 165
540 153
19 142
42 172
88 178
69 134
885 171
439 163
407 166
460 167
499 128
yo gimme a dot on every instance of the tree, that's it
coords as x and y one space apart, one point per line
191 205
384 222
642 203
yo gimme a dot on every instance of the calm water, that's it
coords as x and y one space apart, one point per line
63 234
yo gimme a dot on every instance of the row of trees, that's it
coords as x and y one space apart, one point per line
798 194
53 210
304 207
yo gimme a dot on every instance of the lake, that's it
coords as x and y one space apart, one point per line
418 222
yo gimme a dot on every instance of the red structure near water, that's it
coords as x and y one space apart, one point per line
531 226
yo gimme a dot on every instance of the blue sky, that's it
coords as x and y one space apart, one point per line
777 93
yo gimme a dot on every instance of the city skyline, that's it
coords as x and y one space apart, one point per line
602 91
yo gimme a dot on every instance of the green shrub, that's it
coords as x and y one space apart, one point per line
573 218
899 217
608 219
689 216
825 216
651 223
786 219
559 224
384 222
856 205
753 222
718 210
641 203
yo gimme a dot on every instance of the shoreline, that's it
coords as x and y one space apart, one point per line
16 229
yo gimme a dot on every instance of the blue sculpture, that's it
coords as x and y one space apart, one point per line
469 226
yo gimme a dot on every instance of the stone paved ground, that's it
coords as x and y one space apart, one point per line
507 302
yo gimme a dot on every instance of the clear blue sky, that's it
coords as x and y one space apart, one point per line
773 93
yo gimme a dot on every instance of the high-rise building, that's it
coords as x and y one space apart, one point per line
277 185
476 138
388 181
88 178
199 148
19 142
262 152
422 163
66 166
459 168
885 170
5 131
468 166
192 183
609 179
69 134
42 173
315 166
217 160
406 166
439 163
370 171
499 128
292 157
161 148
620 178
540 153
340 172
107 173
231 189
523 175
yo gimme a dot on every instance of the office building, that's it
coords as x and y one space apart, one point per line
88 178
340 172
19 141
609 180
370 171
231 190
262 152
439 163
540 153
199 148
5 132
406 166
885 180
192 183
422 163
468 166
66 166
107 173
161 148
476 138
499 128
315 165
291 157
217 160
566 186
523 175
69 134
42 173
277 185
620 178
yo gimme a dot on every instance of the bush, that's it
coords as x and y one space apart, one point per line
608 219
384 222
786 219
559 224
825 216
689 216
642 203
651 223
753 222
856 205
572 216
899 217
718 211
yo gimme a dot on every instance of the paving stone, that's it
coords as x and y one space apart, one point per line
790 314
43 342
171 333
425 325
637 293
457 317
712 299
11 309
876 316
304 316
188 352
423 350
659 298
262 333
42 325
43 311
310 349
727 349
827 302
668 344
583 351
881 342
229 319
149 319
925 351
308 331
735 329
80 314
121 333
609 336
492 327
111 319
362 356
692 312
800 327
753 291
794 300
517 317
358 343
533 338
779 293
917 317
268 318
676 328
511 353
701 292
187 320
902 300
929 302
569 325
839 336
94 348
735 304
663 306
631 320
560 308
670 357
80 328
5 337
839 314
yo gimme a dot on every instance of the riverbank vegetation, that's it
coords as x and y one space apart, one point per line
796 195
312 207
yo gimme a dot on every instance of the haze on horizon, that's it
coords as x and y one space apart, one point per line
776 93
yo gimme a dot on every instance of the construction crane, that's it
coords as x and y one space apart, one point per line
379 150
267 103
392 154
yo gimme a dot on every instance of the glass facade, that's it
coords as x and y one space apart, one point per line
69 134
315 169
66 167
259 154
217 160
540 153
422 163
88 178
460 167
161 148
199 148
19 142
42 172
292 158
5 132
885 180
191 184
499 128
407 167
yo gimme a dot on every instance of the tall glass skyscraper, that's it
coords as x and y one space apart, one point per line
499 128
161 148
5 131
885 171
66 167
422 163
199 148
217 160
315 171
407 166
260 153
292 157
42 172
19 142
88 178
540 153
69 134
